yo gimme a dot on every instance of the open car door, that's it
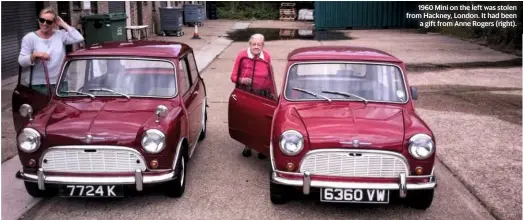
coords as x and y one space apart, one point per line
25 92
252 104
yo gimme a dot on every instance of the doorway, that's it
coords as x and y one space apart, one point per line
65 13
139 9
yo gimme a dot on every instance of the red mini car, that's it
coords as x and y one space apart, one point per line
121 114
344 126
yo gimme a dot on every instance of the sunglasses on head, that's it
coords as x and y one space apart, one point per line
49 22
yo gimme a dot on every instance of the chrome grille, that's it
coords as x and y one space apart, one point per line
354 164
95 159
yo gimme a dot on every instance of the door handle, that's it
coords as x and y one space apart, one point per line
16 92
234 96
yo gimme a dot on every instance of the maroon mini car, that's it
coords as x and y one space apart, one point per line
121 114
343 127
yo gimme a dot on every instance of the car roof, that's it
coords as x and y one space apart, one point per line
142 48
341 53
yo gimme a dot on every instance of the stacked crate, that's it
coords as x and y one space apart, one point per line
287 12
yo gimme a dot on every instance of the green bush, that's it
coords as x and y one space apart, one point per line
248 10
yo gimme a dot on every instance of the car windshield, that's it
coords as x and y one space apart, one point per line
345 81
123 77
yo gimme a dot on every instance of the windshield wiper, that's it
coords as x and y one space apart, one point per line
77 92
346 94
110 90
311 93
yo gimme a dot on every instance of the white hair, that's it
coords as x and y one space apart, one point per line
257 36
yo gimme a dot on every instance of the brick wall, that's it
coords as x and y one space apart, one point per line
103 7
147 15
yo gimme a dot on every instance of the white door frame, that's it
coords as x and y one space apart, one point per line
128 20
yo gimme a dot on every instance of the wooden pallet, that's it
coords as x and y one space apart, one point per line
287 18
287 12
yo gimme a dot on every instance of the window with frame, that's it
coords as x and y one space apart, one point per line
185 83
193 68
25 77
117 76
255 76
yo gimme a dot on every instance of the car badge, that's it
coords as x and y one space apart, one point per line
355 143
88 138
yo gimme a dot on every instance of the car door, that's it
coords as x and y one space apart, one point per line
25 93
198 92
189 97
251 109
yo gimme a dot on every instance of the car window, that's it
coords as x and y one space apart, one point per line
26 79
150 78
25 76
373 82
193 68
185 83
255 76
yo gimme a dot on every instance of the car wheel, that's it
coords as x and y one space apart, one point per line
204 125
32 189
247 152
420 199
176 188
278 193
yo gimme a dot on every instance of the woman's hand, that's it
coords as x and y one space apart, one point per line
39 55
60 22
245 81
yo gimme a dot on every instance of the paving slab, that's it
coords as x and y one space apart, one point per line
15 200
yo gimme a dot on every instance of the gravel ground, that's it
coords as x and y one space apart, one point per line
476 117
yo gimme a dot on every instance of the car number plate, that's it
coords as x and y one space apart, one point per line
354 195
91 190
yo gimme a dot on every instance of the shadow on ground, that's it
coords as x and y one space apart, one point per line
422 67
478 100
271 34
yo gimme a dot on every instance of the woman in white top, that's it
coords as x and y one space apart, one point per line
47 43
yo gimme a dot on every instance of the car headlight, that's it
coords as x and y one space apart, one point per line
421 146
153 141
291 142
29 140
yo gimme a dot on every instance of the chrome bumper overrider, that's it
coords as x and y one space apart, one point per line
138 179
307 183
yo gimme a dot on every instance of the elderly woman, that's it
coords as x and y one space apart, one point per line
251 72
47 43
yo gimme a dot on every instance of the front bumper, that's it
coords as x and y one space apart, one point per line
139 179
306 182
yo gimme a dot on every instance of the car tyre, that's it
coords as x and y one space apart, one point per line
246 152
32 190
420 199
278 193
176 187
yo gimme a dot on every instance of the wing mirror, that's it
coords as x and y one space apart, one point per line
161 111
414 92
26 110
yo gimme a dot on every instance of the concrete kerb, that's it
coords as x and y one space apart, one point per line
17 202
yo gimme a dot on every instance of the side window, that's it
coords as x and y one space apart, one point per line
25 76
193 68
185 83
27 79
255 76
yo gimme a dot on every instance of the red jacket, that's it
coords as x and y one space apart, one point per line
259 73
